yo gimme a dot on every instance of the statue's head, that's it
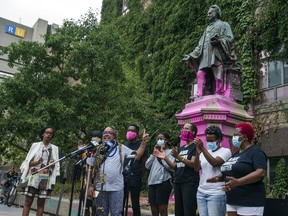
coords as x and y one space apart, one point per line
215 9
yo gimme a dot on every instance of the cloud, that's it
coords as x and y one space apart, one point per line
54 11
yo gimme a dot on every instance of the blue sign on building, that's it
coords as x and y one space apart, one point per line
10 29
13 30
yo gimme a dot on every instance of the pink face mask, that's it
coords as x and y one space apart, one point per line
130 135
187 135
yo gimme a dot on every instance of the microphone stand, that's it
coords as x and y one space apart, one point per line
70 155
87 187
83 173
80 163
62 186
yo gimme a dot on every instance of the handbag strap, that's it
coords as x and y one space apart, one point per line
49 156
169 171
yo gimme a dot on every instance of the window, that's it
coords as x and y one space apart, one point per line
277 73
286 72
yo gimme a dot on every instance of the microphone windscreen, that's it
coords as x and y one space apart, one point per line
109 143
95 143
96 133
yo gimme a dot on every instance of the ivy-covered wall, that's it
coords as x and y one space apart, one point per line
156 38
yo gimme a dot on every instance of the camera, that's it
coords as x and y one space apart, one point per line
127 170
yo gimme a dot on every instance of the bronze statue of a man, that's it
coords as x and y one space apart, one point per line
215 51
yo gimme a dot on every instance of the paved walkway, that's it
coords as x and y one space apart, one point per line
12 211
17 211
51 206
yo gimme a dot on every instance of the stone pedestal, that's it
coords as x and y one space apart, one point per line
214 110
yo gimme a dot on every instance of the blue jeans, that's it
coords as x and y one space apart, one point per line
211 205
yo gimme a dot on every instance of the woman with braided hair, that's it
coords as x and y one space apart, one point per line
111 183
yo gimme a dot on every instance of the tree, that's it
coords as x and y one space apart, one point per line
74 82
280 185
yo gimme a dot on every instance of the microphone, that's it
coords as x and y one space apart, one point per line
91 146
95 145
108 145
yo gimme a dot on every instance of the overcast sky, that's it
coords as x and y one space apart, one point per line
27 12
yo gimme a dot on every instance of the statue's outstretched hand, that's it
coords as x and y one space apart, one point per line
185 58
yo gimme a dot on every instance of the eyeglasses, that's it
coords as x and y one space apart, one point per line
108 133
48 132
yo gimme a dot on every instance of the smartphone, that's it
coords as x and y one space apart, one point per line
159 148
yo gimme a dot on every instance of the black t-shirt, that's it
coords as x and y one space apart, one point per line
184 173
135 175
242 164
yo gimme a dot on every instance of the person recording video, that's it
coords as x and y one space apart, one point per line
134 174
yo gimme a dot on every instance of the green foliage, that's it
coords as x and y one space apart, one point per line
280 185
153 41
111 9
76 86
242 21
272 28
127 69
156 38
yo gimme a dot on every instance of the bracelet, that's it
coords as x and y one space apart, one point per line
183 159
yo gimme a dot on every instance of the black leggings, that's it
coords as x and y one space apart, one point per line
185 198
135 196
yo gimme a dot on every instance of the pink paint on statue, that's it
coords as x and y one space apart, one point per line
200 82
213 110
227 92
